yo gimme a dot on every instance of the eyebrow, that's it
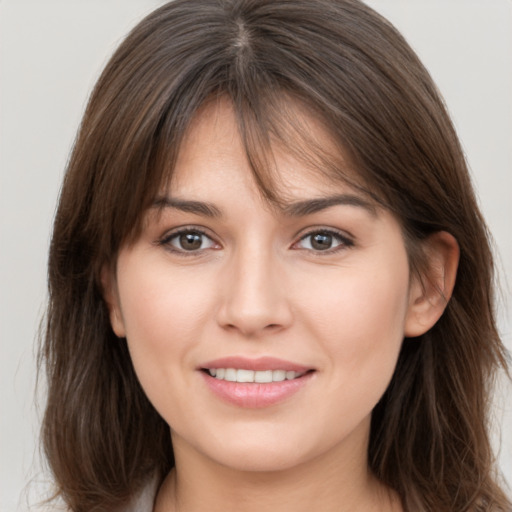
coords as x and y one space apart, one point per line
295 209
310 206
185 205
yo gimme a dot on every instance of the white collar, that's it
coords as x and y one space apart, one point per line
144 500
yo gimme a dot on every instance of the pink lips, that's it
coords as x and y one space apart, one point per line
255 395
262 363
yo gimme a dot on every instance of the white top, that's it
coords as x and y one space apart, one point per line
143 501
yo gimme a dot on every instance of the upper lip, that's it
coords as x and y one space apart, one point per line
256 364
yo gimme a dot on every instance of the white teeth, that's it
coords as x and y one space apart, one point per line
244 376
230 375
264 376
278 375
260 376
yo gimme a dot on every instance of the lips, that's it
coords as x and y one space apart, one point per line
261 363
255 383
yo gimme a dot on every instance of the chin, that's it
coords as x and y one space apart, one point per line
264 454
258 461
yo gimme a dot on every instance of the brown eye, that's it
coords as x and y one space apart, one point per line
323 241
188 241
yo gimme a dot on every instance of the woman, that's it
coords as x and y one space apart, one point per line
270 284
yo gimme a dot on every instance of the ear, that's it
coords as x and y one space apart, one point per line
430 293
111 297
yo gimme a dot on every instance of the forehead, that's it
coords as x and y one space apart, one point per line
298 158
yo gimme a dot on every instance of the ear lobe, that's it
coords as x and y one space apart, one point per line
429 295
111 297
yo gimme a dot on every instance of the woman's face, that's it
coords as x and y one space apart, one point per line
220 283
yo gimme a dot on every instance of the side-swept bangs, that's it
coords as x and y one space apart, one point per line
374 97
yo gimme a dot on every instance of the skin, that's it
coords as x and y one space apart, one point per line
255 287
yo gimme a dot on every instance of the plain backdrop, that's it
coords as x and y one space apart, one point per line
51 52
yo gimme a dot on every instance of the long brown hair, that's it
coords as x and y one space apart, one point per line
350 68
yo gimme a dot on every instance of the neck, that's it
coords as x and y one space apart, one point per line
329 483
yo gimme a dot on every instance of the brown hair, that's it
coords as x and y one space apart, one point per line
347 65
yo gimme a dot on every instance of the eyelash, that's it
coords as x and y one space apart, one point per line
345 242
167 239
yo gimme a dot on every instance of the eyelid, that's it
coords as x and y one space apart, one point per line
170 234
346 239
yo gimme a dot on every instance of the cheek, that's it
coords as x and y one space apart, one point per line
350 303
359 324
163 313
359 317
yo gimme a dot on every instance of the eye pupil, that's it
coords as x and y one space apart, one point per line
190 241
321 241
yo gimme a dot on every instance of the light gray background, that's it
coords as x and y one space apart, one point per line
51 52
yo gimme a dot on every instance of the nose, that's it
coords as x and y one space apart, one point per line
254 299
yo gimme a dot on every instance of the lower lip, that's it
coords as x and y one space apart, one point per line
255 395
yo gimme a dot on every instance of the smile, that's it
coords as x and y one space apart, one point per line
251 376
255 383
